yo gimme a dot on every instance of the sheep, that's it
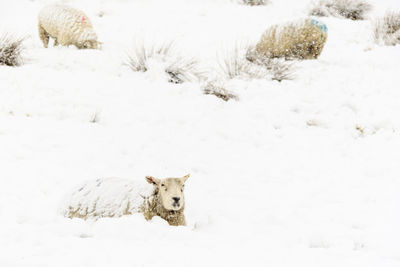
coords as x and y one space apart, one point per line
115 197
300 40
67 26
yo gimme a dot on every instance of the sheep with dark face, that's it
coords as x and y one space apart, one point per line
115 197
67 26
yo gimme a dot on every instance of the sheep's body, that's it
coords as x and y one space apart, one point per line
301 40
67 26
115 197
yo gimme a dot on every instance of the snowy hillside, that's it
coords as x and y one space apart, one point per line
303 172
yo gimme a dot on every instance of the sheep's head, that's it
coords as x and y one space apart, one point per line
170 191
90 44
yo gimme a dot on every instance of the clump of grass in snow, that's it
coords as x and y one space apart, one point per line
254 2
243 63
350 9
10 50
179 69
217 89
387 29
279 68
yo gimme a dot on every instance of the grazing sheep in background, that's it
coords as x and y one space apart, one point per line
387 29
301 40
67 26
349 9
114 197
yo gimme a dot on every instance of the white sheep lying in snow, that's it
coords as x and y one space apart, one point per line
115 197
67 26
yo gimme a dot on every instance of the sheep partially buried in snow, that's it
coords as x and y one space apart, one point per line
304 39
67 26
115 197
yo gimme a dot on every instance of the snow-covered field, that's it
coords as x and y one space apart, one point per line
298 173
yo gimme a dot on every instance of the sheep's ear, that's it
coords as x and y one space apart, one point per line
152 180
184 178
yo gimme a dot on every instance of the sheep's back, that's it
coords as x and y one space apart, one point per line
107 197
293 40
60 19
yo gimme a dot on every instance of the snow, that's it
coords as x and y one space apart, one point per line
301 172
107 197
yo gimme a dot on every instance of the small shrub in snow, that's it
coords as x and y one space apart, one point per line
178 68
10 50
218 90
254 2
234 64
350 9
184 70
387 29
304 39
279 68
246 63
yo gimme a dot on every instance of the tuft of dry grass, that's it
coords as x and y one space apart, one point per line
302 39
387 29
179 69
184 70
139 57
254 2
349 9
246 63
218 90
279 68
234 64
10 50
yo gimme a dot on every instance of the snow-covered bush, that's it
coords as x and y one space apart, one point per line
279 68
179 69
302 39
234 64
350 9
254 2
217 89
10 50
244 62
387 29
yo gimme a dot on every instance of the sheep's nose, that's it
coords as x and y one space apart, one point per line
176 199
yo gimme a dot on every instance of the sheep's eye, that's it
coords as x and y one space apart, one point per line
162 184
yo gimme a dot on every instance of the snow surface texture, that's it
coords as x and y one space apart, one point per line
302 172
107 197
